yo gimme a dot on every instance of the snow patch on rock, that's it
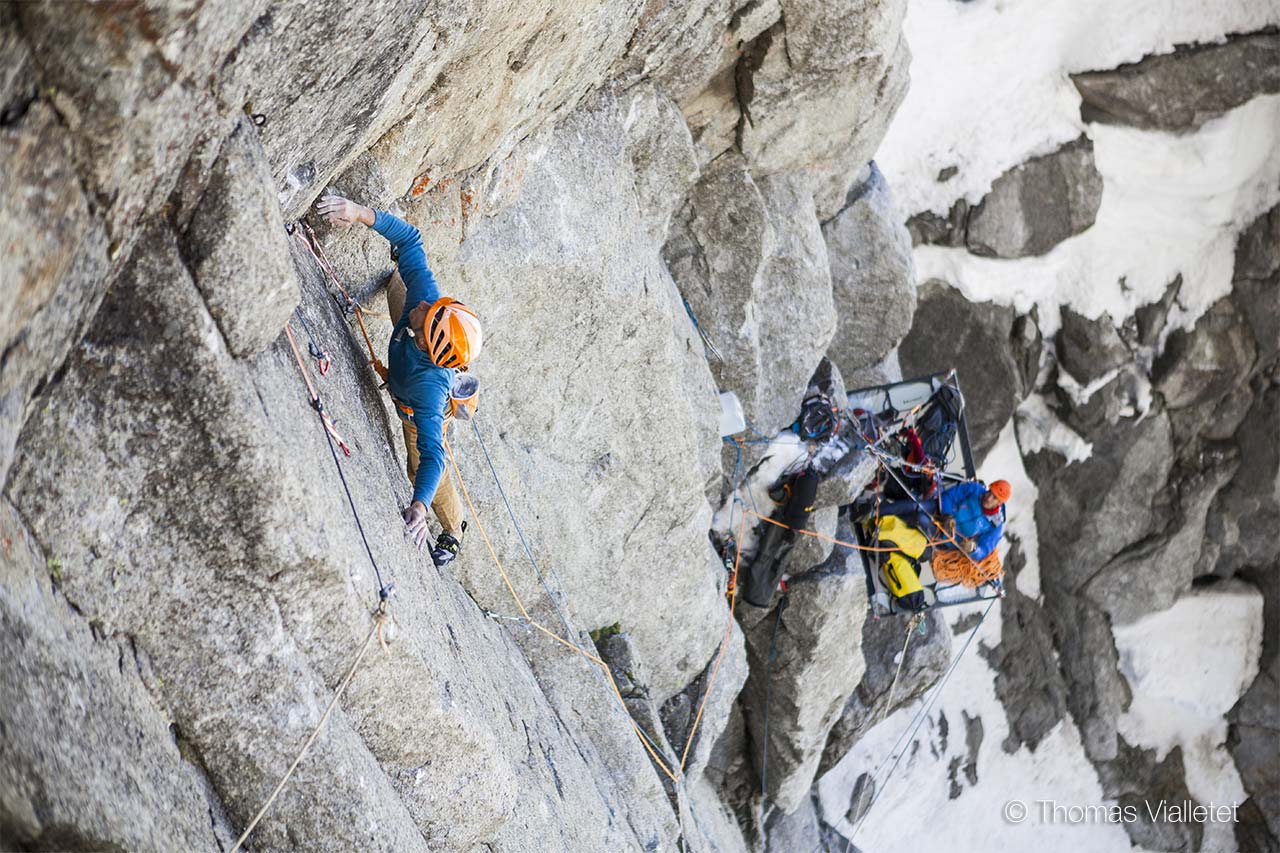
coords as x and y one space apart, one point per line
1040 429
967 57
1172 205
1187 666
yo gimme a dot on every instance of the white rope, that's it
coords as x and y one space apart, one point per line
379 620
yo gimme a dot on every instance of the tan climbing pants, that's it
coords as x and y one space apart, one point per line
446 504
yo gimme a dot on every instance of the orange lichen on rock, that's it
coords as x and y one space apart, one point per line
421 184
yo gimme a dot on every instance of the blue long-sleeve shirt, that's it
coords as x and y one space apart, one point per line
963 502
414 379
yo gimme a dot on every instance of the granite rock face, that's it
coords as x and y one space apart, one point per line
817 90
749 258
872 274
236 247
804 667
1035 206
79 698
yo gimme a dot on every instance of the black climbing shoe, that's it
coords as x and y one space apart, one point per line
862 509
447 548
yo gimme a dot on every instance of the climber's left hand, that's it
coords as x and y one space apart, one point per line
415 522
344 212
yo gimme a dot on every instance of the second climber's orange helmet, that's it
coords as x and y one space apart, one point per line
452 333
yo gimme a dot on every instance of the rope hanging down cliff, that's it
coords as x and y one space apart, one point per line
673 771
377 630
381 614
644 737
899 748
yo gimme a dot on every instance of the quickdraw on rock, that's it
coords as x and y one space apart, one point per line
323 362
316 402
314 246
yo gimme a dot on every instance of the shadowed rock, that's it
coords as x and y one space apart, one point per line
815 667
1180 91
882 642
986 343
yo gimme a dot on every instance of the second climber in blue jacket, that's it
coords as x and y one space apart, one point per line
977 510
434 337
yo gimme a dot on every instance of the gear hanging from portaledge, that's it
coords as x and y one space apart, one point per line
938 423
819 419
900 568
915 431
777 540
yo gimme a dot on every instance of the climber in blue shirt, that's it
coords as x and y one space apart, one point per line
977 510
434 337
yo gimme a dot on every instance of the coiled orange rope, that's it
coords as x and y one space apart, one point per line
959 567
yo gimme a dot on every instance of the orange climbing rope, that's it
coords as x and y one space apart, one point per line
724 644
959 567
645 740
815 534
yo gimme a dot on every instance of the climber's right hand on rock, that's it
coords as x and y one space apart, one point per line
415 522
344 212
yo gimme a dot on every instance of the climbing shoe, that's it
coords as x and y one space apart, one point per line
447 547
862 508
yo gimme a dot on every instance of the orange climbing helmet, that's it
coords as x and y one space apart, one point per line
1000 490
452 333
